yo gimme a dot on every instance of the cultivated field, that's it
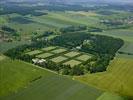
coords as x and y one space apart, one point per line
72 63
4 46
59 59
84 57
44 55
22 83
15 75
118 77
72 54
127 48
49 48
58 50
34 52
61 55
52 21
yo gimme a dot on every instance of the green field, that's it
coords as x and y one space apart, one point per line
34 52
84 57
59 55
15 75
58 59
20 84
72 63
110 96
72 54
4 46
60 50
44 55
48 48
52 21
125 34
128 47
118 77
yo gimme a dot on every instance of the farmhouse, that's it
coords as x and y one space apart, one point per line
38 61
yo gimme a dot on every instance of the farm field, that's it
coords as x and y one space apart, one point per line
44 55
29 87
118 77
54 20
110 96
128 47
19 75
58 59
125 34
72 54
4 46
49 48
84 57
61 55
72 63
34 52
67 58
60 50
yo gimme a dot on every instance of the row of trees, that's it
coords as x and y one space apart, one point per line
73 28
15 8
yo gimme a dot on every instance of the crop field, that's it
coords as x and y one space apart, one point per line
34 52
19 75
110 96
60 50
49 48
84 57
4 46
52 21
125 34
44 55
72 63
128 47
2 57
72 54
59 59
118 77
29 87
61 55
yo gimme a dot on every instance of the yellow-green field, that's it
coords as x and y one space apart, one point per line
44 55
23 81
72 54
118 78
58 59
49 48
34 52
61 55
84 57
72 63
58 50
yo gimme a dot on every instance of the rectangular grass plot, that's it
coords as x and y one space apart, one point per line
58 59
84 57
58 51
44 55
72 54
48 48
34 52
72 63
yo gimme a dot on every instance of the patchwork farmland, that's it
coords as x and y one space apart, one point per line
61 55
25 81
